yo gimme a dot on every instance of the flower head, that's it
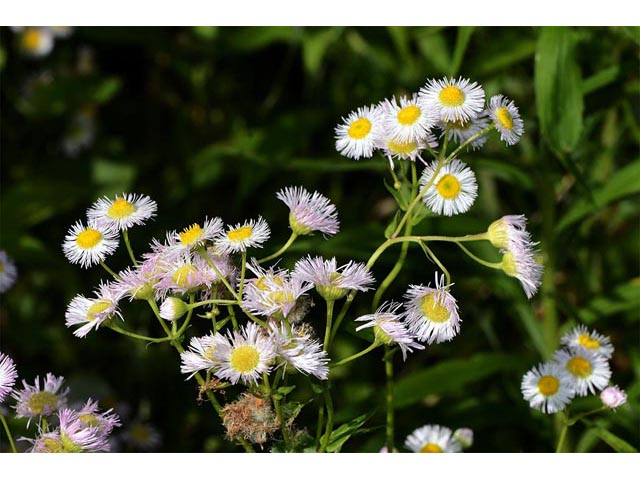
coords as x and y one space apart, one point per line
506 118
522 264
8 375
309 212
455 100
122 212
547 387
137 283
432 439
36 401
333 282
194 235
91 417
613 397
36 42
77 436
202 354
587 370
89 245
296 347
464 436
594 341
460 131
249 234
8 272
453 190
91 313
407 120
359 133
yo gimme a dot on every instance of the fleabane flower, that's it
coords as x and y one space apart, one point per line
613 397
202 354
407 120
452 191
587 370
91 417
8 375
509 233
547 387
36 400
432 439
244 356
36 42
77 437
296 347
521 263
194 235
309 212
123 212
454 100
431 314
173 308
594 341
460 131
464 436
185 275
89 245
137 283
90 313
392 148
506 118
238 238
333 282
389 328
359 133
8 272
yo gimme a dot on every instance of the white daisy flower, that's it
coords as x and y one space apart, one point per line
36 401
407 120
89 245
594 341
359 133
123 212
588 370
185 275
244 356
194 235
432 439
547 387
309 212
8 272
333 282
201 354
452 191
509 233
250 234
389 328
520 262
613 397
296 347
8 375
460 132
393 148
506 118
432 313
91 313
454 100
36 42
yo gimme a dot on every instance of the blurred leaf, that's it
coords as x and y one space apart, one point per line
208 33
335 165
256 38
558 88
434 48
462 41
402 195
624 298
622 183
345 431
615 442
508 54
506 171
449 376
315 43
600 79
112 177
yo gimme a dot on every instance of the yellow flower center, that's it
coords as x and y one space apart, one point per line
191 234
40 400
408 115
359 129
52 445
240 234
402 148
181 274
448 187
121 209
579 367
281 297
504 118
31 39
588 341
88 238
433 310
97 308
459 125
89 420
431 448
245 358
548 385
451 96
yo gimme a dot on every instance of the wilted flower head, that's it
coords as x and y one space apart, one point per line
250 418
432 439
8 375
333 282
309 212
613 397
36 401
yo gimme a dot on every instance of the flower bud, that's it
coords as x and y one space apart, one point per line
613 397
173 308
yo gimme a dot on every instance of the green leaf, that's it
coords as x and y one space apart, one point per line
615 442
434 49
113 177
402 195
315 43
451 376
558 88
462 41
393 225
508 55
345 431
208 33
286 390
624 182
625 297
600 79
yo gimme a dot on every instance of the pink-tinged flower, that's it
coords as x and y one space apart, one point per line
238 238
90 313
613 397
191 272
8 375
72 436
296 347
333 282
90 416
137 283
309 212
37 401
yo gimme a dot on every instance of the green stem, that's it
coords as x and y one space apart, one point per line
278 410
320 423
572 421
232 314
140 337
497 265
388 368
214 301
429 253
111 272
8 432
563 435
283 249
327 330
243 266
125 235
468 141
203 253
329 428
344 361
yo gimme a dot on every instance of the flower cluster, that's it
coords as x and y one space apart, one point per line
580 368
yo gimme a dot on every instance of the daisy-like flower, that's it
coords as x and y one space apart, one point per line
594 341
194 235
36 42
244 356
452 191
8 272
521 263
547 387
297 348
460 132
36 401
250 234
432 313
333 282
187 274
407 120
76 436
90 313
404 150
389 329
8 375
309 212
359 133
613 397
90 416
89 245
509 233
454 100
202 354
123 212
137 283
588 370
432 439
506 118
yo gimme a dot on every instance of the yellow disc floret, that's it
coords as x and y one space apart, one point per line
245 358
504 118
31 39
451 96
39 401
431 448
97 308
402 148
88 238
89 420
448 187
579 367
121 209
433 309
359 129
191 234
240 234
181 274
588 341
408 115
548 385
